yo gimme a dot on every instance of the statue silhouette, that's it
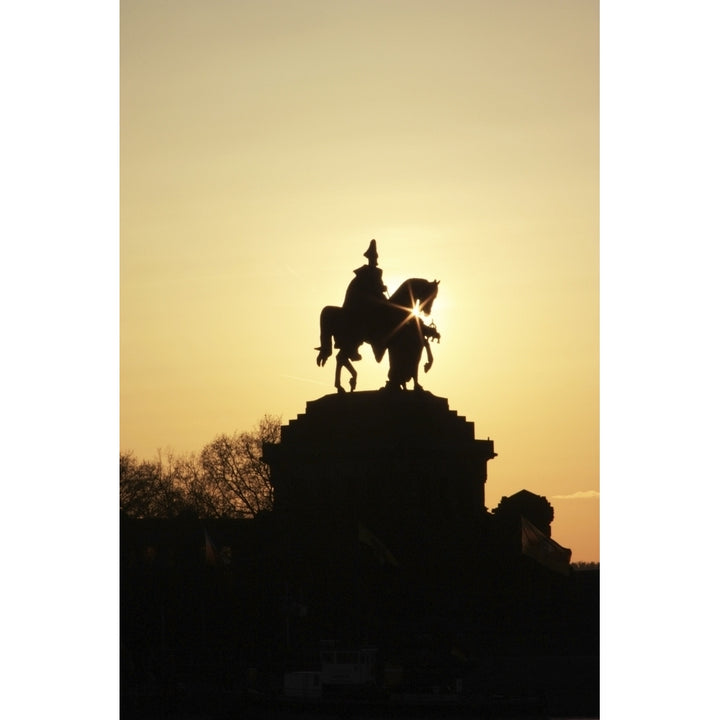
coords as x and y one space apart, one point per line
365 291
388 324
368 280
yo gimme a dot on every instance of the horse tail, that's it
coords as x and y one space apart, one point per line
328 323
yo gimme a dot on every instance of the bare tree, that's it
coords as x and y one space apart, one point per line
148 489
185 474
235 473
227 479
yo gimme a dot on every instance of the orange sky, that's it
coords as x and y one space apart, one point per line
262 146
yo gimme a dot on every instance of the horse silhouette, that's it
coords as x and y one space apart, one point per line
393 325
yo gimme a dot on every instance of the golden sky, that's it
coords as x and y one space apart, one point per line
264 143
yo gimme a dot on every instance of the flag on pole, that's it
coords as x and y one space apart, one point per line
547 552
382 554
211 553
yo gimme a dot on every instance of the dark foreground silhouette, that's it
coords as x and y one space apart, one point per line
215 636
379 540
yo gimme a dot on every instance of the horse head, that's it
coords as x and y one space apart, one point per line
427 295
416 290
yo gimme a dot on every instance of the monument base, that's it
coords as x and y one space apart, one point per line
386 458
368 483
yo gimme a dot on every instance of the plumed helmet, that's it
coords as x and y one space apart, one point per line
371 253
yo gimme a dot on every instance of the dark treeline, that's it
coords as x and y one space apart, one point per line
227 479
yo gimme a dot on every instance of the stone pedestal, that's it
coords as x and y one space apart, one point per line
401 463
381 500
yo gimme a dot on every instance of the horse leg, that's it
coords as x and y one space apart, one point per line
416 364
353 372
397 372
416 384
338 367
429 363
343 361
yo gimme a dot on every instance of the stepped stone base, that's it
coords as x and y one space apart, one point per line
399 462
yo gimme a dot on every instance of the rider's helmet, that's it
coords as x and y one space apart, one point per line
371 253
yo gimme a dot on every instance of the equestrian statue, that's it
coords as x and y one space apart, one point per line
391 324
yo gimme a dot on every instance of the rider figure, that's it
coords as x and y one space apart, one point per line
365 290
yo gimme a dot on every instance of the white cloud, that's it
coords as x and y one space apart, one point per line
580 495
